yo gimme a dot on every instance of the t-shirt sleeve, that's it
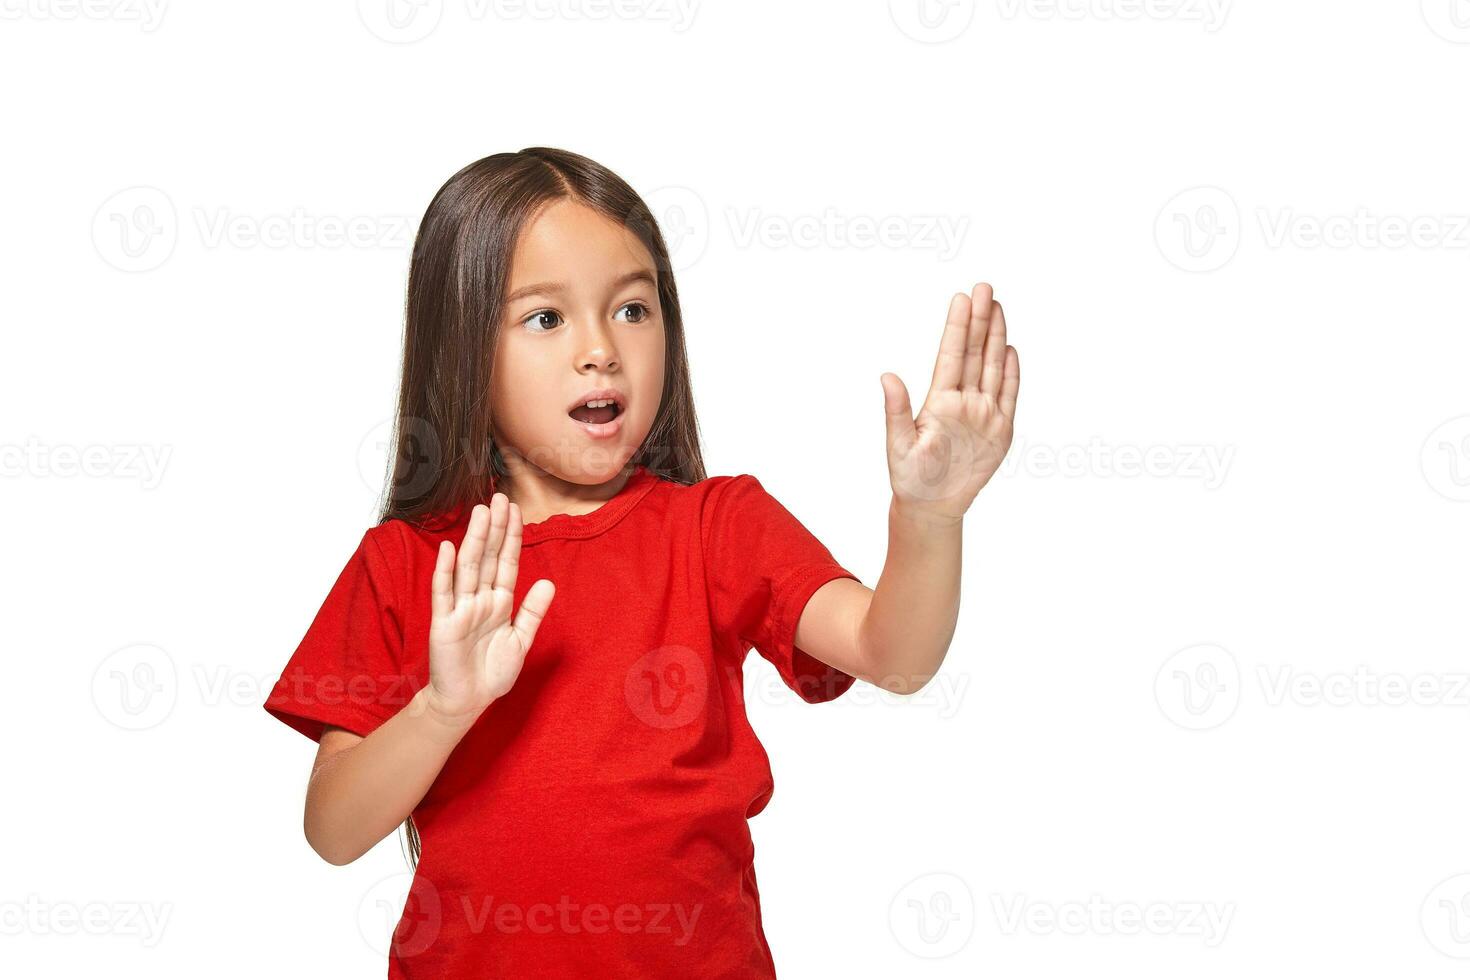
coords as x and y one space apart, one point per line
762 565
347 670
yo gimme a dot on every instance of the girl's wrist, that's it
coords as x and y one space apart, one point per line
449 722
925 518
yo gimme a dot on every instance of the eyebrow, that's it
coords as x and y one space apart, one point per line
552 288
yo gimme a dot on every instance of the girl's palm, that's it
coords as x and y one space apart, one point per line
475 648
939 461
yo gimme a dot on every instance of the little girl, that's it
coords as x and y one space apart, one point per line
535 657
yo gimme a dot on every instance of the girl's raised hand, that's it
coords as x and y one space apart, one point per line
475 649
938 462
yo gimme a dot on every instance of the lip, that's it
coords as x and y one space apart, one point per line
601 430
599 393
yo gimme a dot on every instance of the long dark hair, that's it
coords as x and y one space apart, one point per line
445 459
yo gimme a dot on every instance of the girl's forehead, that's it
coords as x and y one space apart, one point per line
567 222
568 233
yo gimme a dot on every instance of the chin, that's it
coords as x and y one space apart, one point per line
584 465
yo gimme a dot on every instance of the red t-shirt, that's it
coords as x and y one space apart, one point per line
592 822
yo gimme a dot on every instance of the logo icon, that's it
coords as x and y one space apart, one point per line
136 229
1445 916
1445 458
1198 687
409 923
400 21
1199 229
684 221
932 21
933 916
667 687
136 687
415 462
1450 19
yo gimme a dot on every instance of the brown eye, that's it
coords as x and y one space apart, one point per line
535 321
645 314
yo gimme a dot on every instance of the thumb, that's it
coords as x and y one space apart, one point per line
898 413
534 606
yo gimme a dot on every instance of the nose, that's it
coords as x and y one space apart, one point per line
600 359
602 356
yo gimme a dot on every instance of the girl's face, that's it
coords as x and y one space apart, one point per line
581 315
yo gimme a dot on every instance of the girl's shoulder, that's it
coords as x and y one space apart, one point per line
714 495
739 508
403 545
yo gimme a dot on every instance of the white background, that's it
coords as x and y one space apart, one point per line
1222 695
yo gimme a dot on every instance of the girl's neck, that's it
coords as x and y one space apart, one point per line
540 494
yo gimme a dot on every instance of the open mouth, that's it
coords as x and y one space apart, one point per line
596 416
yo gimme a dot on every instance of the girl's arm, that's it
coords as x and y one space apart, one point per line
362 788
896 636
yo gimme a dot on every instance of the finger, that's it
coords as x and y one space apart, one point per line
995 353
898 413
467 571
533 610
951 360
441 584
510 552
499 507
1010 384
982 312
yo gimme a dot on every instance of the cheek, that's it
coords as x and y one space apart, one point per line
643 373
650 352
513 393
502 393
